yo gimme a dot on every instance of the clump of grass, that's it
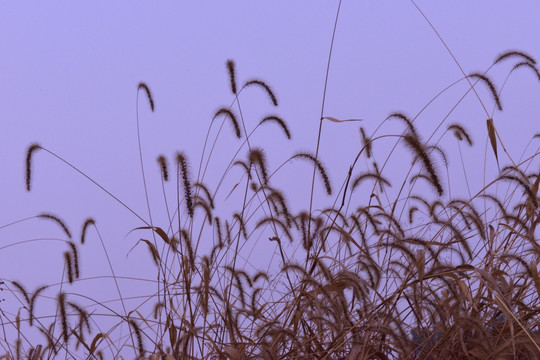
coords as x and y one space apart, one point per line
407 272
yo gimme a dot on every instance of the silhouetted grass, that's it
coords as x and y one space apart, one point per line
453 278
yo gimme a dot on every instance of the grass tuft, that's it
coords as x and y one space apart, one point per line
389 272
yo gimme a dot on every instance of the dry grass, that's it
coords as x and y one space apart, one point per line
408 272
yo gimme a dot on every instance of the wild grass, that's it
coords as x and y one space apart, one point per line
404 270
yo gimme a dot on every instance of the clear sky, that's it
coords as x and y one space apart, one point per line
69 74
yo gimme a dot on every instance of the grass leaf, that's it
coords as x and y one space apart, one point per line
333 119
492 137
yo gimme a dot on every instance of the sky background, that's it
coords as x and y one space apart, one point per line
69 75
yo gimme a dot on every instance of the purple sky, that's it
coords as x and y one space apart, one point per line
69 77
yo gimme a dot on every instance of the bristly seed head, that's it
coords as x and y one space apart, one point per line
318 165
148 94
366 142
409 123
265 87
57 220
232 76
460 133
491 87
63 317
162 161
280 122
69 266
183 167
515 53
257 157
230 114
530 66
31 149
419 149
86 224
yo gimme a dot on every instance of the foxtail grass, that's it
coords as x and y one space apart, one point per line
392 266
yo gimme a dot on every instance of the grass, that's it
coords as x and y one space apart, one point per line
391 267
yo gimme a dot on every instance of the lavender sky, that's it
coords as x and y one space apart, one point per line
69 76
